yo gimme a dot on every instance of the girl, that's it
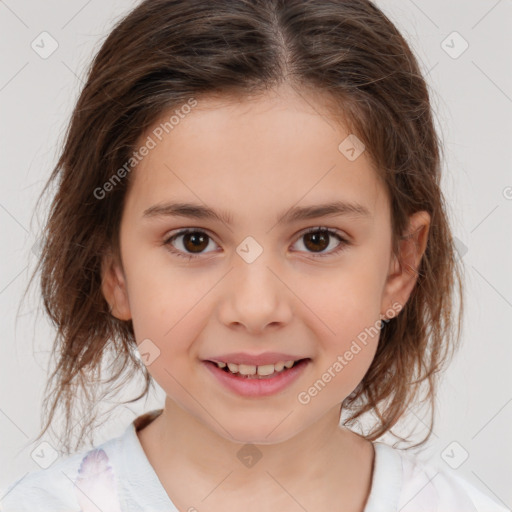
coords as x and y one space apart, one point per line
248 198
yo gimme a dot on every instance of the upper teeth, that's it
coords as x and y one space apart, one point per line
249 369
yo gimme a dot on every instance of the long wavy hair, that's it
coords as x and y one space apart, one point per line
155 59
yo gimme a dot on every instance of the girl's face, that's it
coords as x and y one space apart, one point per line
256 281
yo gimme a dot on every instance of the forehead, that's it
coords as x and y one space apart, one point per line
253 154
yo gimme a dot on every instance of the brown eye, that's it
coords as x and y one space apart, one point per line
193 243
317 241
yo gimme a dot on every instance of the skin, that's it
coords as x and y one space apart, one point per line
257 159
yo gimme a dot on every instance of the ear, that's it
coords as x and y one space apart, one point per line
403 269
113 286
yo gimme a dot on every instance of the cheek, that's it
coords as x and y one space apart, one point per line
347 347
165 322
345 301
168 307
344 311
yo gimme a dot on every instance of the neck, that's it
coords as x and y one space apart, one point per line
192 460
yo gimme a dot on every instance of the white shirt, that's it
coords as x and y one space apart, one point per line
116 476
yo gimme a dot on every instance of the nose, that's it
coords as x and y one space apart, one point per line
255 297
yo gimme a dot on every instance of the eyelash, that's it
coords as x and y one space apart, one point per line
331 232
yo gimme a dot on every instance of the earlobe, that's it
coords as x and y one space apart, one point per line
403 271
113 286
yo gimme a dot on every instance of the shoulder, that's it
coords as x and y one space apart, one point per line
70 484
423 487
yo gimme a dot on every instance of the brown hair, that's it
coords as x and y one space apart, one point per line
165 52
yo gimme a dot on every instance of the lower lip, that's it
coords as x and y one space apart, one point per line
258 387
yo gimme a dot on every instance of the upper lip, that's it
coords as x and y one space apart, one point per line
255 360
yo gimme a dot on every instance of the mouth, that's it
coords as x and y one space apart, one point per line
249 383
260 372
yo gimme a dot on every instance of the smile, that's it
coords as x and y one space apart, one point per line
257 381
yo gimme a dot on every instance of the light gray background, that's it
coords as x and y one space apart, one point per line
472 97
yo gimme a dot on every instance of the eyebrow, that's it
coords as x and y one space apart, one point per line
297 213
